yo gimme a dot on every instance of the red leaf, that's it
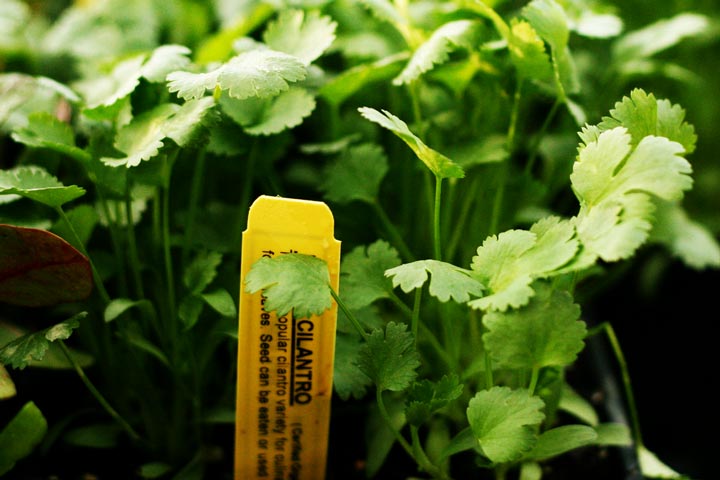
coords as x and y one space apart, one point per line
39 269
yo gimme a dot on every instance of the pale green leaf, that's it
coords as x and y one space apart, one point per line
106 91
691 241
7 387
389 358
574 404
439 164
527 52
362 274
446 280
163 60
504 421
507 264
268 116
614 183
143 137
47 131
426 397
559 440
530 471
660 36
188 121
652 467
305 35
436 49
293 281
613 435
545 332
384 10
221 301
21 435
38 185
255 73
348 379
33 346
597 25
356 175
550 21
642 115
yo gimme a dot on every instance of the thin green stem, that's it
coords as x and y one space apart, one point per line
436 219
132 246
167 256
193 203
393 232
489 381
459 231
499 199
96 276
398 436
625 373
534 376
421 457
349 314
415 320
437 346
407 311
539 136
512 127
119 252
96 393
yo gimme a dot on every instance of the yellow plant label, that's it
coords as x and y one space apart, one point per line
285 364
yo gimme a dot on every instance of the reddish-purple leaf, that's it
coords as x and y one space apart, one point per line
38 268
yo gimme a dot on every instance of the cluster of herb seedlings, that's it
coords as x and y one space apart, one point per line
487 162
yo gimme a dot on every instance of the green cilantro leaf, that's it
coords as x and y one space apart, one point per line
221 301
201 271
38 185
21 435
389 358
447 281
145 135
34 345
692 242
349 81
652 467
426 397
362 279
550 21
7 387
305 35
508 263
614 183
436 49
439 164
545 332
356 175
642 115
46 131
268 116
504 422
559 440
163 60
527 52
574 404
660 35
255 73
292 281
348 379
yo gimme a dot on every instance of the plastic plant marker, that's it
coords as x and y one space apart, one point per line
285 362
38 268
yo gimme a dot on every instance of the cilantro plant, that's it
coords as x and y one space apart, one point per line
492 167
